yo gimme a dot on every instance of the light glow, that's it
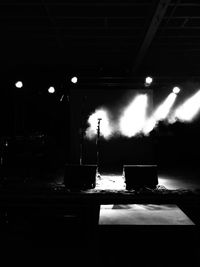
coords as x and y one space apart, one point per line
189 109
148 81
51 90
163 110
74 79
149 125
160 114
134 116
176 90
19 84
105 127
110 182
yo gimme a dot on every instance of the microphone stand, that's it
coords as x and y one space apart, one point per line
98 145
81 146
82 130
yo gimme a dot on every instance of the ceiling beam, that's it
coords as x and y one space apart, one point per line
89 4
54 26
77 4
92 17
151 31
40 28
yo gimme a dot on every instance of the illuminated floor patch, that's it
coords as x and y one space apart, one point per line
110 182
148 214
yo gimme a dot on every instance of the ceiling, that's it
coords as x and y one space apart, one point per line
130 36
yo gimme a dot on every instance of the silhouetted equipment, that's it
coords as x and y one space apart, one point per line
98 142
30 156
80 176
138 176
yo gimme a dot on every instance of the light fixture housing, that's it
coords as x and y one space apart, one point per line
148 81
176 90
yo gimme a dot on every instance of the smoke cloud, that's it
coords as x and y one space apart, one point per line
133 119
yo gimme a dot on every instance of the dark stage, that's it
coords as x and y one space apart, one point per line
42 213
100 132
44 217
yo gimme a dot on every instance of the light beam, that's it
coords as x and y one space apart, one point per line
134 116
176 90
163 110
160 113
189 109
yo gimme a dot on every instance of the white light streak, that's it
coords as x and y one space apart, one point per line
134 116
164 109
189 109
160 113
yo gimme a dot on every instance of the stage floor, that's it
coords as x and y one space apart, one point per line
172 179
149 214
180 178
41 212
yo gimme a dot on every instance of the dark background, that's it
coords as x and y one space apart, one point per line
32 111
116 150
109 45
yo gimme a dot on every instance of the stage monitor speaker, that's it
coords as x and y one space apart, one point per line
80 176
138 176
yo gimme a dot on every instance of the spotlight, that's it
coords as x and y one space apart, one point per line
51 90
163 110
160 114
176 90
19 84
189 109
134 116
148 81
74 79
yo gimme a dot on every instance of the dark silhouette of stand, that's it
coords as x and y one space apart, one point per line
98 145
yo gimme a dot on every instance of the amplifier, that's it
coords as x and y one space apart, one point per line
137 176
80 176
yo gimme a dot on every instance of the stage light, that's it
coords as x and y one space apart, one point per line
189 109
148 81
176 90
74 79
163 110
134 116
150 124
51 90
105 127
19 84
161 113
